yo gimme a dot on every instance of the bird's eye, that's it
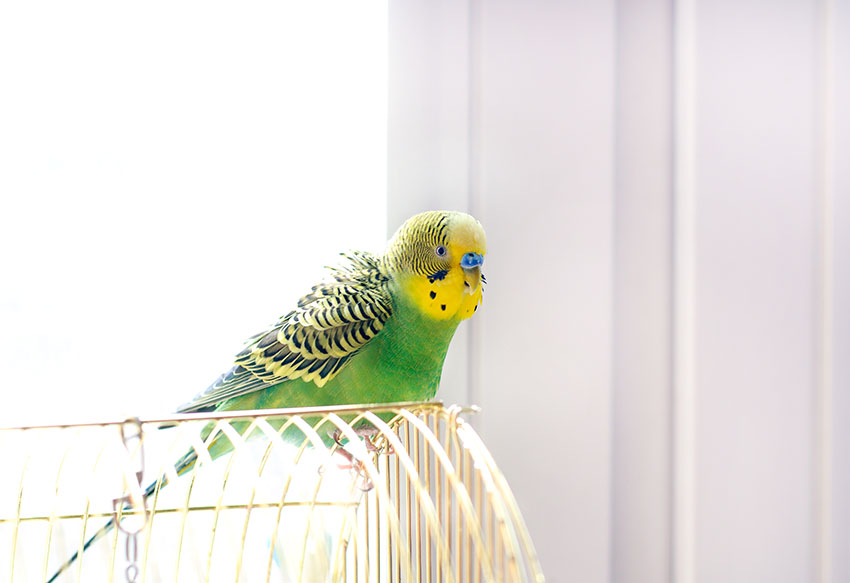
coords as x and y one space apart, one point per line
441 251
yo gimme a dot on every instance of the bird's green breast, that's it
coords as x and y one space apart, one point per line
402 363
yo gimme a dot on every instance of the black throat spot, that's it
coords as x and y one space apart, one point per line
438 276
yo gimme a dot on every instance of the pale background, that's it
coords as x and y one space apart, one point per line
173 178
662 354
662 358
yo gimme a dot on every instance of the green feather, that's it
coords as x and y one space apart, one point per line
402 363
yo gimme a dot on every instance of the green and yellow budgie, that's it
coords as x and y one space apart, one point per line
376 331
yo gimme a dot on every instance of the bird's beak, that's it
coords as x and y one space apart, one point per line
471 265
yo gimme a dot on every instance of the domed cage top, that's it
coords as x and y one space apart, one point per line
397 492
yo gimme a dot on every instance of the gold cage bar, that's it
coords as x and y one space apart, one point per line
414 495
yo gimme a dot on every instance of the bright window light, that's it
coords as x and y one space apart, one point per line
173 176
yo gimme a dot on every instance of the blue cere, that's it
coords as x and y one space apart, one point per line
471 260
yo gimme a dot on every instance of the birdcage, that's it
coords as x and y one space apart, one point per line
400 492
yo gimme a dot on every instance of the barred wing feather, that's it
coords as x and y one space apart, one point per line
314 341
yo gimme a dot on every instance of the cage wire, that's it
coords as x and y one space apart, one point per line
398 492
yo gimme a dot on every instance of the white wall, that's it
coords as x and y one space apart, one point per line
755 279
835 414
660 353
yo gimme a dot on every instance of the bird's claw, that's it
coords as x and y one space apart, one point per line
372 441
358 469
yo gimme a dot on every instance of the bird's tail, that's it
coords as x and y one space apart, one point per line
186 462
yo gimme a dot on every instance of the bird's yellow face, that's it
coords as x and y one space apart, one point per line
437 257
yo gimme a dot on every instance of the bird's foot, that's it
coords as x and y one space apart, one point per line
373 439
373 442
358 469
356 466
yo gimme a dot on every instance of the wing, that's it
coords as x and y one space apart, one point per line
313 342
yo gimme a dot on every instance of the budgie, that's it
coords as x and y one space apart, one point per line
376 331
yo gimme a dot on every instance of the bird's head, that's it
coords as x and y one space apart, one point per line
436 257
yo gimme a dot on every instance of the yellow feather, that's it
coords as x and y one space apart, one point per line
450 296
